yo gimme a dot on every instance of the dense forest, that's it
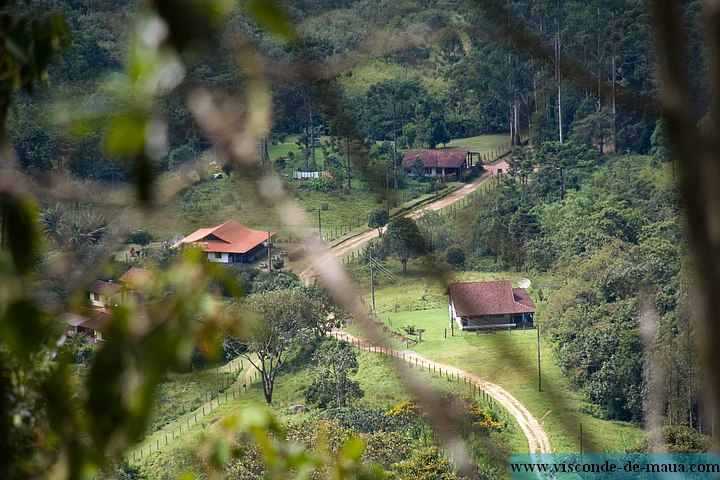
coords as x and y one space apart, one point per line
418 77
590 199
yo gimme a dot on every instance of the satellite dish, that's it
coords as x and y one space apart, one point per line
524 283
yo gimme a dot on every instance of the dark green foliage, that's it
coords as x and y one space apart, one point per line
365 420
79 348
678 439
661 149
403 238
122 471
140 237
455 257
615 241
331 387
272 281
426 464
432 131
558 163
378 219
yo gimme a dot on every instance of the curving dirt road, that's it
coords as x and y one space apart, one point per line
537 438
355 243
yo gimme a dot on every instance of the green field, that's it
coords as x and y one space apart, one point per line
288 145
507 358
209 202
485 145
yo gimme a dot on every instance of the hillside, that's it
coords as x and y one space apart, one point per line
126 354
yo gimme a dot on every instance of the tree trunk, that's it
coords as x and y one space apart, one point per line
614 113
395 154
264 156
306 153
268 384
558 78
347 140
311 119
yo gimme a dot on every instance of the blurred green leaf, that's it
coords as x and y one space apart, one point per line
144 177
190 24
22 329
15 50
126 135
269 15
353 449
221 453
19 218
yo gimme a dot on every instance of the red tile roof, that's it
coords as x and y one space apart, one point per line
104 288
436 158
135 277
230 237
100 321
489 298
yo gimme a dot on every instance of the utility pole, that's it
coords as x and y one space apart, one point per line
387 190
372 282
319 224
537 327
269 248
347 174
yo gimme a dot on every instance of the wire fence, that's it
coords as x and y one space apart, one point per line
476 390
450 210
188 418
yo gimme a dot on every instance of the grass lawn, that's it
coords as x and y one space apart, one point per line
368 73
209 202
508 359
483 144
282 149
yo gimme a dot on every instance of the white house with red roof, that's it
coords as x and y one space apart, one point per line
439 163
231 242
477 305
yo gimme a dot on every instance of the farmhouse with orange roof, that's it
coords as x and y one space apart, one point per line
231 242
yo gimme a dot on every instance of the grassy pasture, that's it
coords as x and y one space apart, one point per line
381 383
507 358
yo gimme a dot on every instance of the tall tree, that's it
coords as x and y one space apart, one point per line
403 238
331 386
286 321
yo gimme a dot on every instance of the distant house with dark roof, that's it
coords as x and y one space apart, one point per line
477 305
103 294
439 163
135 277
231 242
96 326
93 323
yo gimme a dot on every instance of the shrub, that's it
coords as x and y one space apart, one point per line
322 184
364 420
140 237
455 257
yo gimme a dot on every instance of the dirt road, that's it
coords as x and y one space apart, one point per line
355 243
537 438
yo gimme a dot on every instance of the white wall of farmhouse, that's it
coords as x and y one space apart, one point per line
218 257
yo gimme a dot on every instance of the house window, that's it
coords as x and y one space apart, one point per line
218 255
96 297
